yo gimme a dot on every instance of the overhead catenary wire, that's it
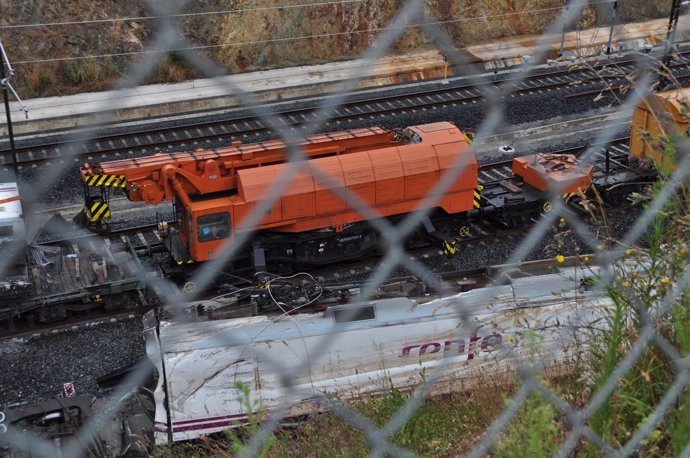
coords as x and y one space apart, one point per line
178 15
483 17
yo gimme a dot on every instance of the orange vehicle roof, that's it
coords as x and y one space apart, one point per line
328 167
414 160
357 168
255 183
386 164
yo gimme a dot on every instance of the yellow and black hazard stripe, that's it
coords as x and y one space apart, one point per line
478 196
449 247
108 181
97 211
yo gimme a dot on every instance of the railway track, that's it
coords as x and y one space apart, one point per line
78 323
247 128
145 240
458 280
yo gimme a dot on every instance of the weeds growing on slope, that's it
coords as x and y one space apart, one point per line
643 300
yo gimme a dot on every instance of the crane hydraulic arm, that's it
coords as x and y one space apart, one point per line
163 176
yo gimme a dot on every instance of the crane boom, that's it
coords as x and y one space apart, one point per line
162 176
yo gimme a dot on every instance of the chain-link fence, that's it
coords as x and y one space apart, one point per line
648 332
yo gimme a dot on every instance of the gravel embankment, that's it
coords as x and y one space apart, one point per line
35 368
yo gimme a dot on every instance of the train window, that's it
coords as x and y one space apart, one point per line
349 314
6 231
213 227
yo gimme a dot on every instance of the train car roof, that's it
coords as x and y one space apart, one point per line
13 209
534 291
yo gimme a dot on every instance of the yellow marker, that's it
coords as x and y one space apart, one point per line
449 247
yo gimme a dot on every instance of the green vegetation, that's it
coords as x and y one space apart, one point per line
639 299
251 427
537 433
442 426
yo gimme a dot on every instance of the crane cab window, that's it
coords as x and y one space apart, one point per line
213 227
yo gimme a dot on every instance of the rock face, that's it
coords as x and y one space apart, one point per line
50 47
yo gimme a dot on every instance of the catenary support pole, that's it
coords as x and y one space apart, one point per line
4 80
613 23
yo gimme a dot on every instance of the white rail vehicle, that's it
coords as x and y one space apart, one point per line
353 350
12 237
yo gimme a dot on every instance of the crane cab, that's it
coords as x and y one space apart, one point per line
204 230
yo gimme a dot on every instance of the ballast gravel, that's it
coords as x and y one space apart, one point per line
34 368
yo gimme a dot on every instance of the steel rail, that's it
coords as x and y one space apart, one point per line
246 127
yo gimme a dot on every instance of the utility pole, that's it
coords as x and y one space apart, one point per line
613 23
445 70
5 82
565 11
676 6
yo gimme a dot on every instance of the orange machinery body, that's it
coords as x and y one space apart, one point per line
558 172
659 116
224 191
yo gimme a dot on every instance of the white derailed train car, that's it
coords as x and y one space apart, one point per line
290 363
12 236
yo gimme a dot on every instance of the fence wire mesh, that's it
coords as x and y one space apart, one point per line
578 418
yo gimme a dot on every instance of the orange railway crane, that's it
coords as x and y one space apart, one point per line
221 192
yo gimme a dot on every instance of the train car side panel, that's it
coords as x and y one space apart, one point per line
459 160
388 173
389 341
359 176
253 187
298 198
458 155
